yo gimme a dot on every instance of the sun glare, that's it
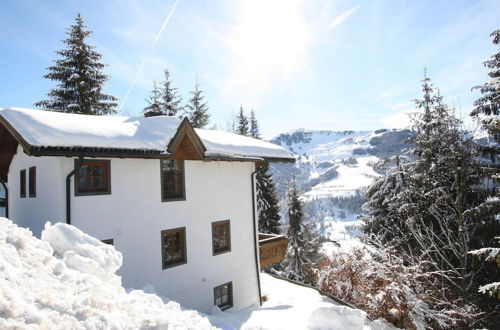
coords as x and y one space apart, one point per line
270 38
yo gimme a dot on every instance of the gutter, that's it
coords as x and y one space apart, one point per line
79 164
256 237
6 189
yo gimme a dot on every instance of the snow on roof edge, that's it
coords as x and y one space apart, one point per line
43 130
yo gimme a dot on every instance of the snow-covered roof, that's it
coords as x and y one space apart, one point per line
46 129
221 143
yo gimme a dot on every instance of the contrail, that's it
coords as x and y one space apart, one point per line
141 67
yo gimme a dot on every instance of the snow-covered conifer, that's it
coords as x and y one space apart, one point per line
165 97
254 126
79 76
488 105
154 99
382 218
242 120
267 203
430 205
197 108
303 241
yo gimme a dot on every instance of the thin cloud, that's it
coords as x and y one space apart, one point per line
342 17
143 63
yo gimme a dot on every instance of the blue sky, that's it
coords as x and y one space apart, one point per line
319 64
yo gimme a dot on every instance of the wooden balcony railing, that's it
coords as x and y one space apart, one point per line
272 248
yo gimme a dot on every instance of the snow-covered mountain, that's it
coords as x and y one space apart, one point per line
332 168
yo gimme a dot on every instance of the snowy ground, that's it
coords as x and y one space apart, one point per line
67 280
289 306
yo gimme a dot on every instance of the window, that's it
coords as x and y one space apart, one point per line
173 247
223 296
93 178
221 237
22 182
32 182
172 180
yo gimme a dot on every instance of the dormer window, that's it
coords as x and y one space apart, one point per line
172 180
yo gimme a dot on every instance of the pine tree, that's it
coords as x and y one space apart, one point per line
267 203
80 77
303 242
254 126
242 123
198 109
166 97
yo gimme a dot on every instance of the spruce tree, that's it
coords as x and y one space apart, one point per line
431 203
242 123
383 201
489 103
154 99
197 108
303 242
267 203
254 126
170 98
80 77
166 97
487 110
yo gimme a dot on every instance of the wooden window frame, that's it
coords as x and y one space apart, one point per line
22 183
183 182
229 296
32 181
183 246
226 224
90 192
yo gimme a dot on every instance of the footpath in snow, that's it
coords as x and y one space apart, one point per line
67 280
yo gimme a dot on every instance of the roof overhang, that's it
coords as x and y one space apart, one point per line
186 144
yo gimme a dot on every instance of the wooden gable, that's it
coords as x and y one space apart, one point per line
186 144
8 148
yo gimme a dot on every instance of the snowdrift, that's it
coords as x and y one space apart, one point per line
67 280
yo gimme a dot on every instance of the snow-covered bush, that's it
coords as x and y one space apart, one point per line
385 287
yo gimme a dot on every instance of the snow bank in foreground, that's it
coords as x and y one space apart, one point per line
75 287
82 252
290 306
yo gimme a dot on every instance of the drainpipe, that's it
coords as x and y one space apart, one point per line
256 238
79 164
6 198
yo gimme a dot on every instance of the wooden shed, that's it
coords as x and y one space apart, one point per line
272 248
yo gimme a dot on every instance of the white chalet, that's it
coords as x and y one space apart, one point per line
177 202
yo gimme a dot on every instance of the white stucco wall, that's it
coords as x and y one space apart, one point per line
134 216
49 203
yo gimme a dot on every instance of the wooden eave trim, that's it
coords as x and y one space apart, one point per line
26 146
97 152
185 128
248 159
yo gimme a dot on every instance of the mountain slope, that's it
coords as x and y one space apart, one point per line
332 168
